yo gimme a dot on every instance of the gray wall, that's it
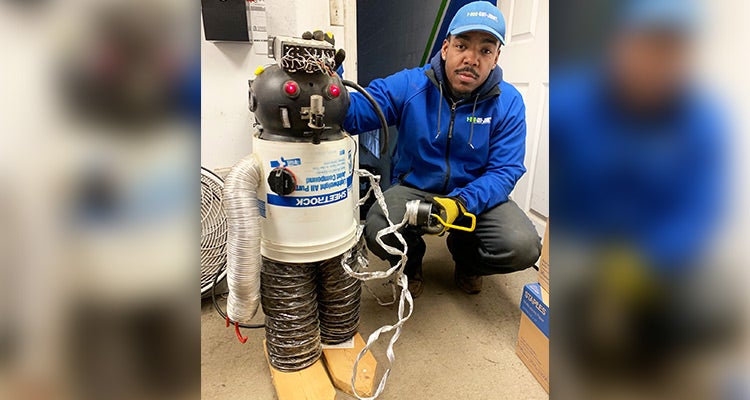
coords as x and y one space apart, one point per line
392 35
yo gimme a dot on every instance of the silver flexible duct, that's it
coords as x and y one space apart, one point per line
243 239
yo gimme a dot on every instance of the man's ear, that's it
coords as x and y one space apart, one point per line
444 49
497 56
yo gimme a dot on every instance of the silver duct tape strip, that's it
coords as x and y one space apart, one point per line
405 301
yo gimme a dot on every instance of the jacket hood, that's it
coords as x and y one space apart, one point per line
489 87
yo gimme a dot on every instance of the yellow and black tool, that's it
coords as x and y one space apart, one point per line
438 214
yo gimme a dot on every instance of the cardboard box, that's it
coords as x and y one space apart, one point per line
544 261
533 334
545 297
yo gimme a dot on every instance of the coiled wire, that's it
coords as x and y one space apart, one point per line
243 239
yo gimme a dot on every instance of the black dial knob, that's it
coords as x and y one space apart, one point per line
282 181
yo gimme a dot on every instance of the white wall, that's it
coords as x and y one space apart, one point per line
226 123
527 38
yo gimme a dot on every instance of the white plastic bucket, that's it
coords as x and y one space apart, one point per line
316 221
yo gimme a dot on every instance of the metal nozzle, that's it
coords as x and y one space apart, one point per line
317 112
419 214
316 104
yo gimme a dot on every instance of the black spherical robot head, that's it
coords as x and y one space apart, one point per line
281 102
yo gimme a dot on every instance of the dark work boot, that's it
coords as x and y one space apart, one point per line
470 284
458 244
413 269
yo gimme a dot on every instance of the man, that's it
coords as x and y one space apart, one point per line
638 141
461 142
638 180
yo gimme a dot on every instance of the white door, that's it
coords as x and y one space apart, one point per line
525 60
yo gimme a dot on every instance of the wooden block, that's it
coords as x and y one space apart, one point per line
311 383
340 363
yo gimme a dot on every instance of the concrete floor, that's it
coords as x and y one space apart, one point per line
454 346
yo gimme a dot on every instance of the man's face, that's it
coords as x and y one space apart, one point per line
469 57
650 68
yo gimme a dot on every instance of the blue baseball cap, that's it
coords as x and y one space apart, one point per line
679 16
479 16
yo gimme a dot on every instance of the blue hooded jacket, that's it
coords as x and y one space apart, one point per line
653 181
472 149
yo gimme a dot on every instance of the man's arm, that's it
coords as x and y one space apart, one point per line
390 95
505 166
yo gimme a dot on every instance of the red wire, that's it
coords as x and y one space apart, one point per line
239 335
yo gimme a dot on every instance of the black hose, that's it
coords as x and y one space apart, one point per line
290 302
384 130
218 309
339 296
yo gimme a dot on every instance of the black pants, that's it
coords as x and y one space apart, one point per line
504 240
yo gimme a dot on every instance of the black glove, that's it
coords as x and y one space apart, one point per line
445 212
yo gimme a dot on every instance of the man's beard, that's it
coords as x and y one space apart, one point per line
464 95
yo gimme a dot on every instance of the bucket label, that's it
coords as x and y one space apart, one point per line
262 208
285 163
325 182
308 201
323 178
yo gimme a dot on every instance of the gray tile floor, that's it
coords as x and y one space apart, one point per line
455 346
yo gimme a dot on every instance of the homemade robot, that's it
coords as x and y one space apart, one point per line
294 242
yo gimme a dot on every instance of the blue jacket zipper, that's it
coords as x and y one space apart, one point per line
448 147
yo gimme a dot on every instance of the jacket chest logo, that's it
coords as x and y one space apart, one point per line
479 120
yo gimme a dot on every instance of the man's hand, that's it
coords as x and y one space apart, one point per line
446 211
628 277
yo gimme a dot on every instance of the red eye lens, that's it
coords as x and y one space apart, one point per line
291 88
334 90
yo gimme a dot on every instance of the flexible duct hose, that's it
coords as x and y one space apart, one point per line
339 296
289 299
243 239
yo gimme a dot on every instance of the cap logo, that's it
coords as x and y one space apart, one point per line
481 14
